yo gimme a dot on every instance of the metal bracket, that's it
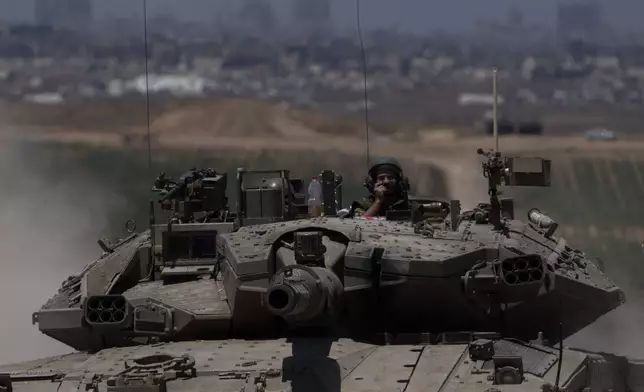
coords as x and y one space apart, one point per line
151 373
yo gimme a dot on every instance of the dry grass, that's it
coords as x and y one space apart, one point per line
212 117
105 115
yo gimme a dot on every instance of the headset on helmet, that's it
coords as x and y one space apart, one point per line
402 182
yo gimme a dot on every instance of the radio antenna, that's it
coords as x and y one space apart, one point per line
495 113
147 85
494 164
147 115
559 363
364 72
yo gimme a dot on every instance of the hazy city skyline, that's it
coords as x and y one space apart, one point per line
406 15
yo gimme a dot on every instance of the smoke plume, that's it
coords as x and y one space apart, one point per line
49 224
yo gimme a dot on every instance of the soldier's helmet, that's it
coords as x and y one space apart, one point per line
385 163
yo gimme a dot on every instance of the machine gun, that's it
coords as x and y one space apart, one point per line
197 192
513 171
508 171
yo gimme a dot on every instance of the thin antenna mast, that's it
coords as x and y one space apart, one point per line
147 85
364 72
147 113
494 165
495 113
560 362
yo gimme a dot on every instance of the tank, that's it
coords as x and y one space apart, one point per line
261 298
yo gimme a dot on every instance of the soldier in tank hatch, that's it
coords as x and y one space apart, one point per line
387 188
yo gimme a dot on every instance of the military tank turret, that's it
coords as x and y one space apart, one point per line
260 297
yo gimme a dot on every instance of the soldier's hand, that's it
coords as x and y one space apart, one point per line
380 191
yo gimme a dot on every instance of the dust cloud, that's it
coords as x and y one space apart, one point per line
49 224
620 332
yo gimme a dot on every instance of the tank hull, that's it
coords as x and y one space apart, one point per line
319 364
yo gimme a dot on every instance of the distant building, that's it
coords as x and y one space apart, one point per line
258 15
312 15
579 20
70 14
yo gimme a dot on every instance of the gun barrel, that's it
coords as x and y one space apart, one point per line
299 293
172 193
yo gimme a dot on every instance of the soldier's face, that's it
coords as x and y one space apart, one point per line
386 179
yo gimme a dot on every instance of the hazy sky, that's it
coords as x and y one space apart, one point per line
415 15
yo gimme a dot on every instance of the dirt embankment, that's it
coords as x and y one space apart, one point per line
214 117
244 125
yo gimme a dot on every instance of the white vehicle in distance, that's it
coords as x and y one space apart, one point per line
600 134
